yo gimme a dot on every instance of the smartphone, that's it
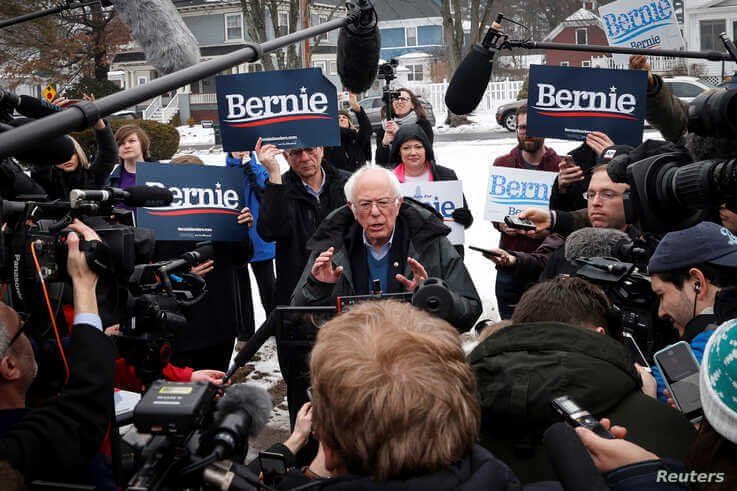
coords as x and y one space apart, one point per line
680 371
485 251
575 416
567 161
634 348
272 465
519 223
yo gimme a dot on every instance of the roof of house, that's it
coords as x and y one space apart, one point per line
580 18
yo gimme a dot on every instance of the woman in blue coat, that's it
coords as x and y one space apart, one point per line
262 263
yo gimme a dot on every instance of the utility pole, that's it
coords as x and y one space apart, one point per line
304 7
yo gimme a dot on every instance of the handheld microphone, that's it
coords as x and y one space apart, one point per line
243 411
137 196
471 78
167 42
204 251
570 460
596 242
359 45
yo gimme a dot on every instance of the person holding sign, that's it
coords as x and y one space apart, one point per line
380 236
532 154
406 109
414 161
355 144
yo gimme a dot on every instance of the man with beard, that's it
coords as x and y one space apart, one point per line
530 153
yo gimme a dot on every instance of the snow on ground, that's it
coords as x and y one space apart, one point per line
195 135
483 123
471 161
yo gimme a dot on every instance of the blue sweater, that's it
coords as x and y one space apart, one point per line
262 250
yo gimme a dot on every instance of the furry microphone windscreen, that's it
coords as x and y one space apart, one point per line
250 398
156 25
359 46
593 242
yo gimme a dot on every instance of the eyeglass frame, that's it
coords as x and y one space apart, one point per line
22 318
615 194
298 151
372 202
403 99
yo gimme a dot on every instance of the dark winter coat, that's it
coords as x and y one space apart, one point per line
423 234
355 146
289 217
522 367
58 183
382 152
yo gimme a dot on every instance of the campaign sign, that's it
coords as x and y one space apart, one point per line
288 108
511 191
570 103
646 24
444 196
207 201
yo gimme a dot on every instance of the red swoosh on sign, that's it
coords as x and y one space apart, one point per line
193 211
586 114
284 119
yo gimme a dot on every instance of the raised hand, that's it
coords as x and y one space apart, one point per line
418 275
598 142
323 269
245 217
266 154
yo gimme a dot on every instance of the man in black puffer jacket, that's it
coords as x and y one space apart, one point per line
556 346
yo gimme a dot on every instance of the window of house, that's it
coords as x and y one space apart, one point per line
283 23
415 73
321 65
255 67
582 36
411 36
565 63
333 68
233 27
141 80
709 31
586 63
321 20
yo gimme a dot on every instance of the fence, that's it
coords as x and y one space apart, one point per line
658 64
497 93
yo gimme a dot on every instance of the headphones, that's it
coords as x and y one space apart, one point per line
697 287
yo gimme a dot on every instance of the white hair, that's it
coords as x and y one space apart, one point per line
351 183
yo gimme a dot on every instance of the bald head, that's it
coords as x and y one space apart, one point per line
9 325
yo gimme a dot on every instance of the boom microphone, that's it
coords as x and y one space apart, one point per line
470 80
571 462
243 411
600 242
359 44
156 25
148 196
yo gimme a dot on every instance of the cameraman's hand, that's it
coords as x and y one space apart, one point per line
84 280
639 62
203 268
612 454
391 130
213 376
302 429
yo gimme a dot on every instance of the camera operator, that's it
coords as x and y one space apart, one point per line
406 109
692 272
380 236
355 144
558 346
78 172
57 440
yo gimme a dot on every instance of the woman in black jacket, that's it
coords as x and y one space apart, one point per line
355 144
78 172
406 109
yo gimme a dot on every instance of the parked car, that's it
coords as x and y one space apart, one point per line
372 106
506 114
686 88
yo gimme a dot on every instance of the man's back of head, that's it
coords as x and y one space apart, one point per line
393 395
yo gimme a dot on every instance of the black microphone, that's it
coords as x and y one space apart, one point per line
470 80
359 45
167 42
570 460
242 411
54 151
595 242
36 108
203 252
144 196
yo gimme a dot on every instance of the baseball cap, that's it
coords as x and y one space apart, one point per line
705 242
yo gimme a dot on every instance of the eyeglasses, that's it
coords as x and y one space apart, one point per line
403 99
21 329
605 195
382 204
298 152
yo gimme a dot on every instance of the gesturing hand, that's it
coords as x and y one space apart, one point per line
266 154
418 275
323 269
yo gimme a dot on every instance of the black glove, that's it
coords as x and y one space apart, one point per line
463 216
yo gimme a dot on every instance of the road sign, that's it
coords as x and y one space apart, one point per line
49 93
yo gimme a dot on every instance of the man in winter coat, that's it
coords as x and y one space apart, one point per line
378 236
557 345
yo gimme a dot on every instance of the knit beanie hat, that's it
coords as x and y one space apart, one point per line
718 384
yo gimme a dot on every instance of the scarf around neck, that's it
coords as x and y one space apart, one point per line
409 118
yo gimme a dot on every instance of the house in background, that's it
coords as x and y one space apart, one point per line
582 27
704 21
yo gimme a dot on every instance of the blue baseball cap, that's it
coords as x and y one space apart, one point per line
706 242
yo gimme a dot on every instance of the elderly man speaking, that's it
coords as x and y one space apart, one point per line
377 235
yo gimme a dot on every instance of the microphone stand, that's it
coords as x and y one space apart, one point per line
85 113
43 13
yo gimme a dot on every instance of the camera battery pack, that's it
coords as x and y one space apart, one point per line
173 408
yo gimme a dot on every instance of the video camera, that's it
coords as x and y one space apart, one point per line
388 72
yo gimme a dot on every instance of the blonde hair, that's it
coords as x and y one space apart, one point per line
187 158
392 392
84 162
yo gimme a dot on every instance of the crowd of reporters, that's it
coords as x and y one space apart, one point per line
396 402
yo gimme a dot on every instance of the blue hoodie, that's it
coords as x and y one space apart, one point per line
262 250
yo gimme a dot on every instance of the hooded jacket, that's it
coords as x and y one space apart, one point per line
355 145
522 367
424 233
289 216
